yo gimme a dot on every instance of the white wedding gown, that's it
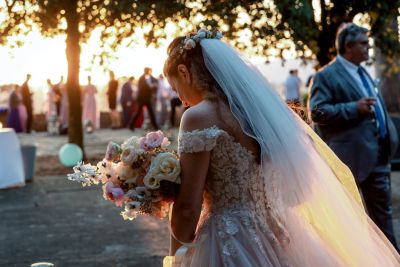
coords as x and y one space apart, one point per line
237 227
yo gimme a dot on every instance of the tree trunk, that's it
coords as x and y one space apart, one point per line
323 56
323 40
75 133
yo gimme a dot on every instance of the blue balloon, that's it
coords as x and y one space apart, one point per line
70 154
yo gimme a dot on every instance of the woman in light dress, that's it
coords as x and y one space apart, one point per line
16 116
258 187
89 114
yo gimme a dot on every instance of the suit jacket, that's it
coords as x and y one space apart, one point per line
126 93
353 137
145 92
26 96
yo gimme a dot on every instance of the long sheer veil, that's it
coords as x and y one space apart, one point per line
322 222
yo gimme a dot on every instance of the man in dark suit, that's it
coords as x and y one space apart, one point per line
126 101
350 116
147 87
27 101
112 100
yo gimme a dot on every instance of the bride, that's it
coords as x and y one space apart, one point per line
258 187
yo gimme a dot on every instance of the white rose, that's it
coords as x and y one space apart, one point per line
129 155
140 151
189 44
165 166
126 172
133 142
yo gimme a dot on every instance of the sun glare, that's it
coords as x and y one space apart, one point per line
45 58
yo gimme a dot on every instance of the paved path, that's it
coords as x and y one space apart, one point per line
58 221
55 220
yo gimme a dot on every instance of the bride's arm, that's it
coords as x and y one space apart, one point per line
187 206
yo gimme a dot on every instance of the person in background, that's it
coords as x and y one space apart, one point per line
175 102
27 101
58 95
147 87
112 101
126 101
89 114
53 124
51 96
351 117
163 93
14 116
292 88
64 107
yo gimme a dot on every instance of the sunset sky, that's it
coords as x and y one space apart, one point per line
45 59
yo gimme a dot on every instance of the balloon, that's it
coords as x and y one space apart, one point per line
70 154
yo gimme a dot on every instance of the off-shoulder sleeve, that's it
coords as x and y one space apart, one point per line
198 140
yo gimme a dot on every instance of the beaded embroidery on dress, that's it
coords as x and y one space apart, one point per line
236 228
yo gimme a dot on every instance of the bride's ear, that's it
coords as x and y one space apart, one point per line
183 73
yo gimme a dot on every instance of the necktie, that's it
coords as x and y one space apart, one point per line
378 109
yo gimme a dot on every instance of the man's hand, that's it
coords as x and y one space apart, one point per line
364 105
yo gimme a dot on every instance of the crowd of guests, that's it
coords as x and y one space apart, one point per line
148 99
152 98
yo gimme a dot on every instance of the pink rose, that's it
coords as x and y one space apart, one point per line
113 193
129 155
142 143
153 140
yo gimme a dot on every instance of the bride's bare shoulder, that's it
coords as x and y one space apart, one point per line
200 116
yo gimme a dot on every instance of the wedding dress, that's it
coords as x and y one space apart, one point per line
237 226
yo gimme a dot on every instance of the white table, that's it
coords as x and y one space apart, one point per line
11 165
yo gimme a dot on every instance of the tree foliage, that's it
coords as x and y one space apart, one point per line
310 27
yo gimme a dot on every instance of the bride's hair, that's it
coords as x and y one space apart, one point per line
193 59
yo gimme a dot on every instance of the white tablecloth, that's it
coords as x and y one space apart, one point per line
11 165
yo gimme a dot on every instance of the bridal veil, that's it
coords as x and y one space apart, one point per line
311 194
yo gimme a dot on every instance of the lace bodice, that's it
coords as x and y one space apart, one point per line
233 180
234 196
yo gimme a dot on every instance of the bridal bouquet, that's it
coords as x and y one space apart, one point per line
142 174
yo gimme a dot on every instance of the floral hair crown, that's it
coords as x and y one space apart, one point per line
193 39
